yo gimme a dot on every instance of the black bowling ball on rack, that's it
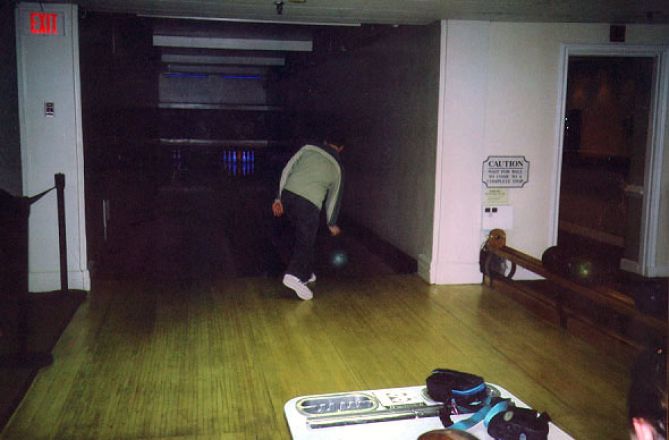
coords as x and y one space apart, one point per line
555 260
583 269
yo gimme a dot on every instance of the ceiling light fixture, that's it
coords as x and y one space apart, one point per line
238 43
246 20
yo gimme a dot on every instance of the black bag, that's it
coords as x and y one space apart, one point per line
464 392
519 423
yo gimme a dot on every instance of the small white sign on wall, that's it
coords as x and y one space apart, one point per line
495 197
506 171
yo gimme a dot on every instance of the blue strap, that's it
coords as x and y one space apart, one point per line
486 413
500 406
474 390
467 423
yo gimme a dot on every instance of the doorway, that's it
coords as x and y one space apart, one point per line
607 201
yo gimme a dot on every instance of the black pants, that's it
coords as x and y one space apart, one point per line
303 217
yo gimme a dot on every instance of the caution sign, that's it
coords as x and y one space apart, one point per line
506 171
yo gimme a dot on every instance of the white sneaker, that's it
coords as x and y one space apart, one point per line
300 288
312 279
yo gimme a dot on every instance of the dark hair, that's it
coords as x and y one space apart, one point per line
647 397
320 126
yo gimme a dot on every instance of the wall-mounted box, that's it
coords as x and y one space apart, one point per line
497 217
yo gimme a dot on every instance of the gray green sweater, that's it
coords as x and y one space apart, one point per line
315 173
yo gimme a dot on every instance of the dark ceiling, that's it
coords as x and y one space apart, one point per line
395 11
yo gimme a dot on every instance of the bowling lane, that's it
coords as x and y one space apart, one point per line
213 223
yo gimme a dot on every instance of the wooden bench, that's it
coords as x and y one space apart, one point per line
604 296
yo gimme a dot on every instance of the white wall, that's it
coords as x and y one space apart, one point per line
501 89
460 152
48 71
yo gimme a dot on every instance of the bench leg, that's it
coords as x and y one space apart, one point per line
562 315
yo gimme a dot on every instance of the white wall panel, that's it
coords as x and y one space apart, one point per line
462 142
48 71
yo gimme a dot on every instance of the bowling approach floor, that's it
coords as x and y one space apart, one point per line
216 228
218 359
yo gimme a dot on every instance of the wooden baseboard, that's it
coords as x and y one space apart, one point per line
399 261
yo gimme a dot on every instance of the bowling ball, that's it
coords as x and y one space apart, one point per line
586 270
555 260
338 258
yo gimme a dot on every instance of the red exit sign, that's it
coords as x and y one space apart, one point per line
44 23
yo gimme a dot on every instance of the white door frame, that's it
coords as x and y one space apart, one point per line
646 264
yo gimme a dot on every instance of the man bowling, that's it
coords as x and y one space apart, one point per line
312 178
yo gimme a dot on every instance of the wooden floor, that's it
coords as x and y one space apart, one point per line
218 359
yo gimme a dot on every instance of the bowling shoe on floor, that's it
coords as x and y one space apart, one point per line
312 279
300 288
